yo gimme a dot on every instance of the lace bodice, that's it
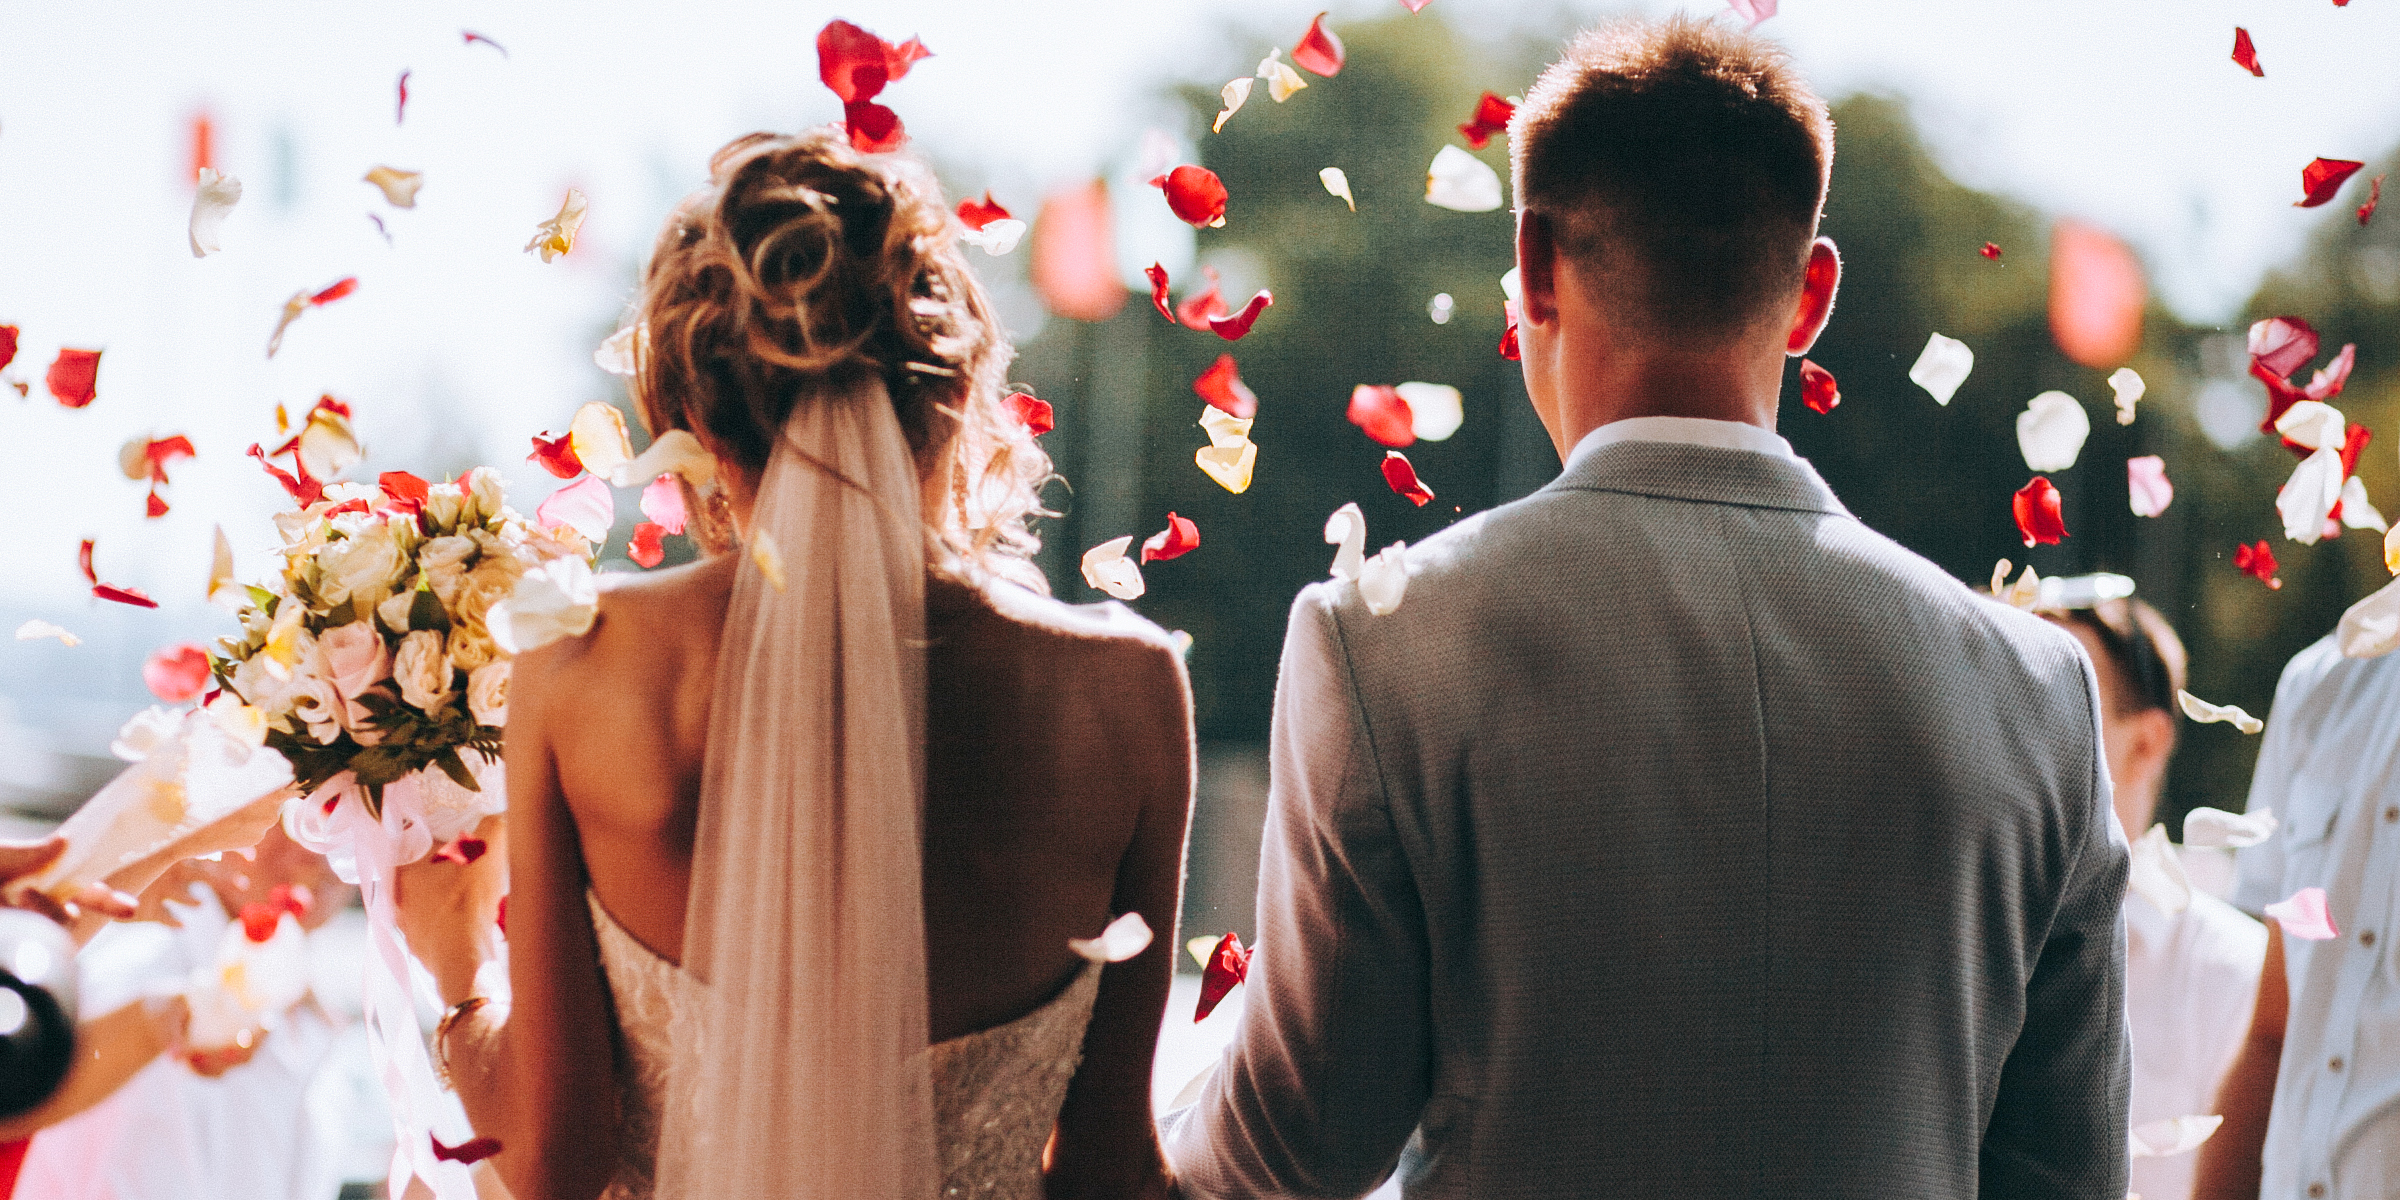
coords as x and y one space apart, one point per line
996 1093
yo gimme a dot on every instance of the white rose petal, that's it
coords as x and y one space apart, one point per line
2158 874
598 434
768 558
1281 79
215 197
2309 495
1124 938
1234 94
1347 529
1511 285
1229 457
1338 184
1435 410
2312 423
1461 182
1383 579
2202 711
2371 627
2173 1136
2051 431
144 732
556 236
1106 568
34 630
1942 366
2214 828
2357 511
621 354
996 237
487 694
2129 388
555 600
676 452
399 187
2146 486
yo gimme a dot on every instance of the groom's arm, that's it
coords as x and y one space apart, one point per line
1331 1067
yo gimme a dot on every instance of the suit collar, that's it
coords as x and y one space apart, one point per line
1707 474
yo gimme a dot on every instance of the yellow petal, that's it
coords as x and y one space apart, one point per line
1200 948
2391 551
1125 937
1229 466
1235 94
1225 430
1281 79
292 309
768 558
598 435
222 590
1338 184
399 187
1106 569
556 236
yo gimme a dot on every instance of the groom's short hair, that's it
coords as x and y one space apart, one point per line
1682 164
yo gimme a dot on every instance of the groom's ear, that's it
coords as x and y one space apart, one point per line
1537 269
1818 283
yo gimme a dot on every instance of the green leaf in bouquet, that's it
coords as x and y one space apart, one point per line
456 768
426 612
264 599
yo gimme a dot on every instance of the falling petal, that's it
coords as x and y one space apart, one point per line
2147 486
858 65
471 37
1235 94
400 108
1380 412
2202 711
1234 327
1230 455
1991 250
997 238
2312 424
386 234
2051 431
8 344
2322 178
1941 367
1179 538
648 546
1125 938
2036 509
472 1151
2158 874
304 300
556 236
1383 579
1509 349
2245 55
1035 415
587 506
36 630
1338 184
2129 387
1402 475
2366 212
2308 497
2173 1136
1222 965
1435 410
1754 11
399 187
1106 569
2331 378
1346 529
675 452
1157 273
662 502
623 351
767 557
2305 915
74 377
601 443
874 128
1318 50
327 445
1196 195
1221 385
2097 294
556 456
975 214
2357 511
2281 345
215 197
1491 118
1817 388
1461 182
1197 311
2371 627
2258 562
1281 79
2214 828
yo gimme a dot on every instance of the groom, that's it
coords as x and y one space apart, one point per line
1679 836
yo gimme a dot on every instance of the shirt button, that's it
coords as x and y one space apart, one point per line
2366 937
2391 812
2315 1191
2336 1064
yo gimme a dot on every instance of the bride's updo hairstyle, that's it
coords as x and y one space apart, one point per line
805 267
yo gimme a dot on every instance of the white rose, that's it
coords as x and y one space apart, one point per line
487 491
471 648
367 564
422 669
487 694
445 503
443 560
316 705
559 599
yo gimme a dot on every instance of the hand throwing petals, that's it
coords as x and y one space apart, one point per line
2258 562
1435 410
2146 485
74 377
1221 385
2205 713
2305 915
2371 627
1235 94
599 437
2128 386
1941 367
1817 388
2214 828
1281 79
2322 178
1383 579
1235 327
1461 182
1125 938
1196 195
399 187
1318 50
1179 538
2036 508
556 236
2051 431
586 506
1382 414
1106 569
215 197
2308 497
1398 472
2245 55
1034 414
2173 1136
2158 874
1221 967
1491 119
1337 183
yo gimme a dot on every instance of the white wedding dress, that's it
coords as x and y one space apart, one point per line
996 1093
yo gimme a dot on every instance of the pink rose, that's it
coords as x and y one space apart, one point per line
355 657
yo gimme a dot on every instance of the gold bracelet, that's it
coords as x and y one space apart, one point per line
441 1036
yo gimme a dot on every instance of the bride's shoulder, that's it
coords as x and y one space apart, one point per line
637 618
1012 611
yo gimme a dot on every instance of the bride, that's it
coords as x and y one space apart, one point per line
798 835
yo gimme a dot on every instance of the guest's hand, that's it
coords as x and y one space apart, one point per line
450 911
20 861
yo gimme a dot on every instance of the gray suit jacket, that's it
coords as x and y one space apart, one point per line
1678 836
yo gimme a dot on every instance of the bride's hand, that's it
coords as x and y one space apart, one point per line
450 910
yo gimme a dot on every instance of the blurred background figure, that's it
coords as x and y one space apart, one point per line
2190 977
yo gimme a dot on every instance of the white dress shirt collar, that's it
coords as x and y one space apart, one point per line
1691 431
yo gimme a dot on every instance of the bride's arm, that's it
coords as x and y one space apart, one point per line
1107 1142
535 1072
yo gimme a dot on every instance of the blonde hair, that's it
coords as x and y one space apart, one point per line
802 269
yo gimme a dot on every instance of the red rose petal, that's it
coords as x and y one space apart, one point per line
74 376
259 922
1228 965
648 546
1398 472
1381 412
557 457
2036 508
2257 562
2331 377
473 37
123 595
334 291
2366 213
163 452
1035 415
463 851
294 898
851 61
83 558
406 492
1415 5
1991 250
2322 178
1234 327
1221 385
1158 289
400 110
2245 55
1318 51
2354 443
1491 118
2282 345
1197 311
175 674
303 488
1817 389
1508 337
1179 538
975 214
156 506
1196 194
8 344
503 918
874 129
471 1152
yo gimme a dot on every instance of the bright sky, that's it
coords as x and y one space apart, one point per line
2123 111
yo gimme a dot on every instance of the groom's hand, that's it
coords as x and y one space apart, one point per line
20 861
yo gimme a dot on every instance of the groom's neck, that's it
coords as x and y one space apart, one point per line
1598 382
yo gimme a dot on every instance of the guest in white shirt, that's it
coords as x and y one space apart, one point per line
2190 977
2312 1106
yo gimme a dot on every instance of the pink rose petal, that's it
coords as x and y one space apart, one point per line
586 506
2304 915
